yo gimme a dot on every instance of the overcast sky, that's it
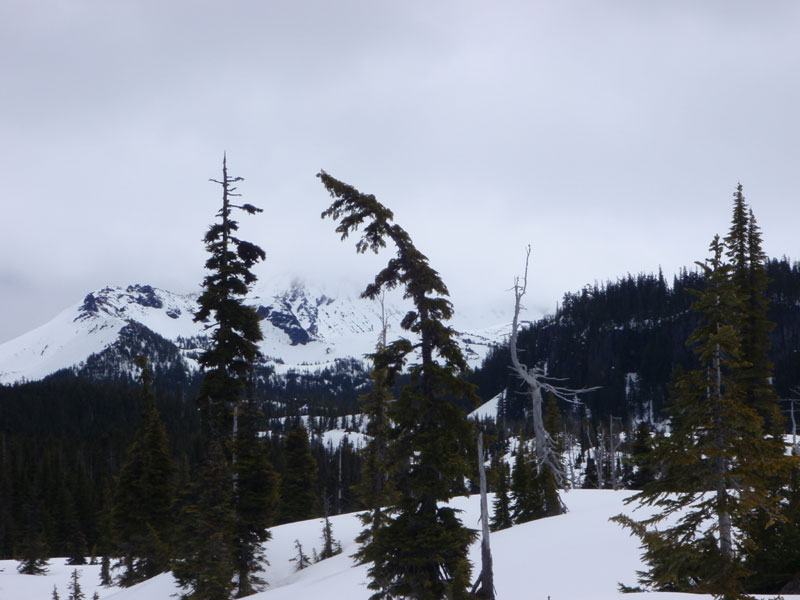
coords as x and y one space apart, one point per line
608 134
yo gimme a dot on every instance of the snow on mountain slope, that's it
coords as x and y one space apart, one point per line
92 326
487 410
304 328
59 343
576 556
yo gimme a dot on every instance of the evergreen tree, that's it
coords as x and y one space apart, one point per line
205 537
590 481
715 461
420 552
142 512
641 448
300 558
749 277
298 499
255 500
773 560
227 407
546 476
55 595
33 555
375 490
527 502
228 362
330 547
105 571
74 587
501 517
75 540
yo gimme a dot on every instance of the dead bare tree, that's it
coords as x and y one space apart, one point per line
484 585
614 443
537 381
792 402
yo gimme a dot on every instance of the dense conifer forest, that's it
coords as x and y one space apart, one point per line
628 337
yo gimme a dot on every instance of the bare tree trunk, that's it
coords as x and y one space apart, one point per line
599 459
485 582
614 442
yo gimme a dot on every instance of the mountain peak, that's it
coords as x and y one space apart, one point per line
304 327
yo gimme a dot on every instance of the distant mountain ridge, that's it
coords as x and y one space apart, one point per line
303 328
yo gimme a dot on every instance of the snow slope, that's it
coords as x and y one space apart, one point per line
576 556
487 410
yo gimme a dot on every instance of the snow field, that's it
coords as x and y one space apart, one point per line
576 556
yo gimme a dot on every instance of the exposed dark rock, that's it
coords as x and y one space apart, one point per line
145 295
287 323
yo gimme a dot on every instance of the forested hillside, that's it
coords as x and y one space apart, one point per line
628 337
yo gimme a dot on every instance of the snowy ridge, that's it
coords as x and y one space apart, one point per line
304 329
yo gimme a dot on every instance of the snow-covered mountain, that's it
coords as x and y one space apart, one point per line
304 329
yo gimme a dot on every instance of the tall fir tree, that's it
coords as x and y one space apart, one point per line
420 552
142 512
749 278
227 407
298 495
228 362
750 281
716 462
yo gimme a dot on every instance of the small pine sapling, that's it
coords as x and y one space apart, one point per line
300 558
74 586
330 547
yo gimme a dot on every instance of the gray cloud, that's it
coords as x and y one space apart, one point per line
609 135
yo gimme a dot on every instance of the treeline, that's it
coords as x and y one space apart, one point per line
628 337
64 440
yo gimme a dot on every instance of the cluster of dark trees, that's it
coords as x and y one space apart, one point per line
64 440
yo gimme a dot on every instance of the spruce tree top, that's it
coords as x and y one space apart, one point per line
237 329
228 362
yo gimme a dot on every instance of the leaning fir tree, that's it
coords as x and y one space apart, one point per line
420 551
715 462
228 411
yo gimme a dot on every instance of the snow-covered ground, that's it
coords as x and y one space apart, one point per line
576 556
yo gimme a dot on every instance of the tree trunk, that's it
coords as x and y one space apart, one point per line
485 582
